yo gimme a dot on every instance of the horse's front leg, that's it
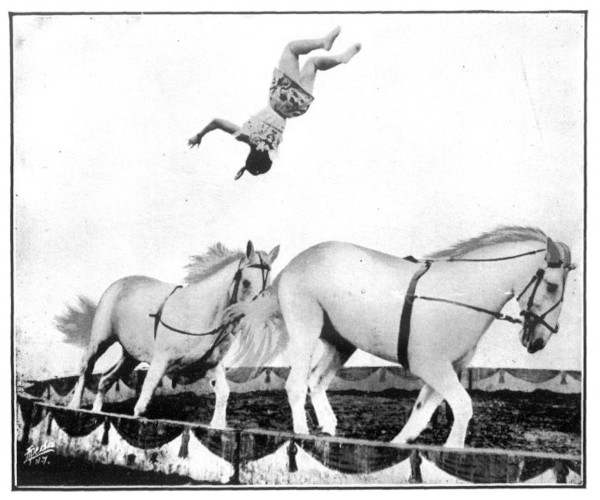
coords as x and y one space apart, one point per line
156 371
443 379
426 404
221 387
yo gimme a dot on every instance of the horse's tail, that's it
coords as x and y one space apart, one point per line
76 322
261 333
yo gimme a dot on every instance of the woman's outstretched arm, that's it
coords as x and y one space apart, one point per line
217 123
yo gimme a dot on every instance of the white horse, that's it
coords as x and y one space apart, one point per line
427 314
174 329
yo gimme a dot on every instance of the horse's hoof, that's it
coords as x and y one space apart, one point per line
139 413
303 432
397 440
74 404
454 445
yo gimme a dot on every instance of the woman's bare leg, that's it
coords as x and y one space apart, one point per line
314 64
289 58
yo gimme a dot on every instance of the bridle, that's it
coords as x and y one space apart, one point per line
265 269
529 318
222 330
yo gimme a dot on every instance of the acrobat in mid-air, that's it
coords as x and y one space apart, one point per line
290 95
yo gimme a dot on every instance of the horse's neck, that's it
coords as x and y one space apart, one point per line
215 287
525 269
510 276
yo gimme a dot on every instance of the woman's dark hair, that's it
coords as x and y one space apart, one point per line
258 162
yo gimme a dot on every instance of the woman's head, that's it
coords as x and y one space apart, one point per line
258 162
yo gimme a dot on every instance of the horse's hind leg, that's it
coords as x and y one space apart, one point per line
101 338
125 364
304 321
322 373
420 416
442 378
94 350
221 388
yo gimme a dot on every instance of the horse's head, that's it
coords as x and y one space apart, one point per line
541 307
253 274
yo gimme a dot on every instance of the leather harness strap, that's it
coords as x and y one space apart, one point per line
158 314
407 312
159 321
265 269
529 317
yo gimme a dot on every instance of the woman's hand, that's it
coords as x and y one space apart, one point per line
216 124
195 141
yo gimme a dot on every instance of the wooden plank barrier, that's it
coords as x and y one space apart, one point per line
262 457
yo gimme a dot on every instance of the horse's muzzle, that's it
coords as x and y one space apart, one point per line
535 346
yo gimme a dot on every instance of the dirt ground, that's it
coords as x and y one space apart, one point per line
537 421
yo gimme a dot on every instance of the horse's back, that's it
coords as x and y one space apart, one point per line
127 303
361 290
344 262
136 289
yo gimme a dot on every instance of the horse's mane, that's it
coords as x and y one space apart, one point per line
503 234
214 259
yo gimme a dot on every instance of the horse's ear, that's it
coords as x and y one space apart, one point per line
273 254
566 252
553 257
249 249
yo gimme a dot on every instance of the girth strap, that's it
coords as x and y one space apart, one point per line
158 314
221 330
218 330
407 313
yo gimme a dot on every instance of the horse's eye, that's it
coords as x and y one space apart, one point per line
246 283
552 287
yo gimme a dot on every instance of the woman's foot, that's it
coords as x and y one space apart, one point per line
349 53
330 38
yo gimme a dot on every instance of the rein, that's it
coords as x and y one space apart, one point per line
528 316
221 330
497 315
489 259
